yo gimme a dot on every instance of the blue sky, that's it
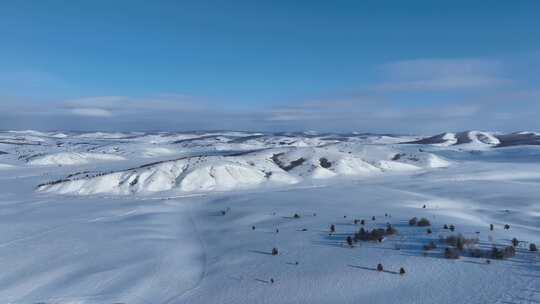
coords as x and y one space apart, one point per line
374 66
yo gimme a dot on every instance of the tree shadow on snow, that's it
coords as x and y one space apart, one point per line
373 269
261 252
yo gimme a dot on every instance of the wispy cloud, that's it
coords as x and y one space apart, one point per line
412 96
441 74
91 112
142 105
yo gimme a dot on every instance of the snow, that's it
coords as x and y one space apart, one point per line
449 139
247 170
72 158
5 166
158 151
178 228
480 140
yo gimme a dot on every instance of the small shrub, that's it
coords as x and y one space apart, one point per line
423 222
275 251
506 227
451 253
445 226
373 218
332 228
452 228
376 234
495 253
459 241
325 163
224 212
491 227
413 221
296 216
362 222
373 235
349 241
390 230
402 271
380 267
515 242
252 227
505 253
428 231
532 247
478 253
430 246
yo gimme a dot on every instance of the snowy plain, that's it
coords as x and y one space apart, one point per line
193 217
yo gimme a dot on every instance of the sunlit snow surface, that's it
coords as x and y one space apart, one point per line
137 217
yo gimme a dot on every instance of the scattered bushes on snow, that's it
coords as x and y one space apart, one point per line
495 253
504 253
290 166
374 235
325 163
460 242
398 156
423 222
390 229
451 253
430 246
515 242
350 241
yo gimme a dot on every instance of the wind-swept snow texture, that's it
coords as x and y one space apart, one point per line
193 217
72 158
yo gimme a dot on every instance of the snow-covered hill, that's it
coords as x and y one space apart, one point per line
281 166
171 217
478 140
